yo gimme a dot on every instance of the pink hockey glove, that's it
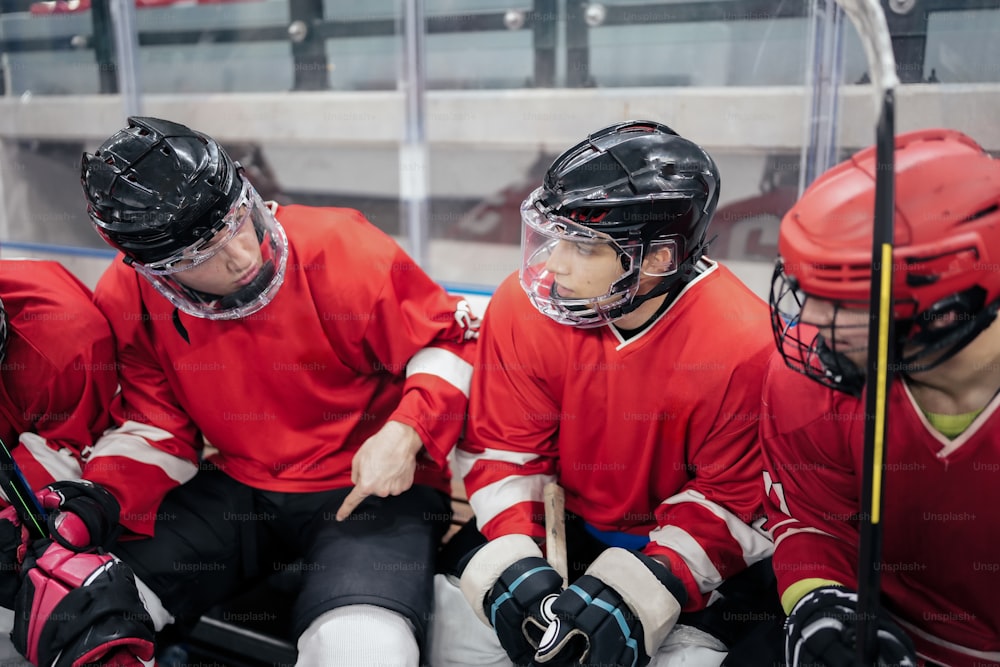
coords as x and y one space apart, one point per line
75 609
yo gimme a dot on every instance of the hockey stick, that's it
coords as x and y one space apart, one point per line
869 20
555 529
20 495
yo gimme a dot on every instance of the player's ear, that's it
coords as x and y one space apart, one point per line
660 259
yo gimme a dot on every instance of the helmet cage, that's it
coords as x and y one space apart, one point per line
800 343
922 340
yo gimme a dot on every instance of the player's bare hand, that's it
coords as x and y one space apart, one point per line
383 466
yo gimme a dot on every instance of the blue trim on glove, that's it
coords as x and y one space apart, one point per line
615 613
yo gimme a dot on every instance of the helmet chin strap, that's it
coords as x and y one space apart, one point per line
671 285
251 290
839 369
951 342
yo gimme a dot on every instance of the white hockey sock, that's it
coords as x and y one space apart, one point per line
359 636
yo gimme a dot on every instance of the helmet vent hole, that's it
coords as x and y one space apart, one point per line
588 215
131 177
143 132
110 160
165 150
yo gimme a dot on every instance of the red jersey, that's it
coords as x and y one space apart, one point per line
355 336
940 572
652 436
58 373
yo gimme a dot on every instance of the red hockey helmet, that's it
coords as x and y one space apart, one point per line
946 257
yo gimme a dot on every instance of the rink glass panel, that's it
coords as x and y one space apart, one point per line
317 117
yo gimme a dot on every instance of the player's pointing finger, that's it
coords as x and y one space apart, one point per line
353 499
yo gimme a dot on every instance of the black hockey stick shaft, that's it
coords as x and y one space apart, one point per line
21 495
877 383
869 20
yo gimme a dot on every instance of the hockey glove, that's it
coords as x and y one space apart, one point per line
821 631
82 517
14 540
617 613
77 609
509 586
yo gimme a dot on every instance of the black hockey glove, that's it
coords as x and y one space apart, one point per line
510 586
617 613
821 631
14 541
83 516
76 609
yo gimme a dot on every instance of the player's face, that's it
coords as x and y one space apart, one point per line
843 327
583 270
229 270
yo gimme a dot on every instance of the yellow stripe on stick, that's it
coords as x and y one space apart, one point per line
885 305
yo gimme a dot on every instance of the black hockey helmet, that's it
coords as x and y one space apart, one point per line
157 187
636 178
632 184
171 199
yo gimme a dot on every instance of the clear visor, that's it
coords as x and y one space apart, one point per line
234 273
206 248
572 273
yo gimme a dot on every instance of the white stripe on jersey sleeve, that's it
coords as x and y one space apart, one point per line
755 542
782 523
446 365
705 574
795 531
465 460
60 464
130 441
494 498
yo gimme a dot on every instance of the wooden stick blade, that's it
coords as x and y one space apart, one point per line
555 529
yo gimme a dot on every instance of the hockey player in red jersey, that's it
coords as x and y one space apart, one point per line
626 365
321 364
58 370
58 373
939 557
